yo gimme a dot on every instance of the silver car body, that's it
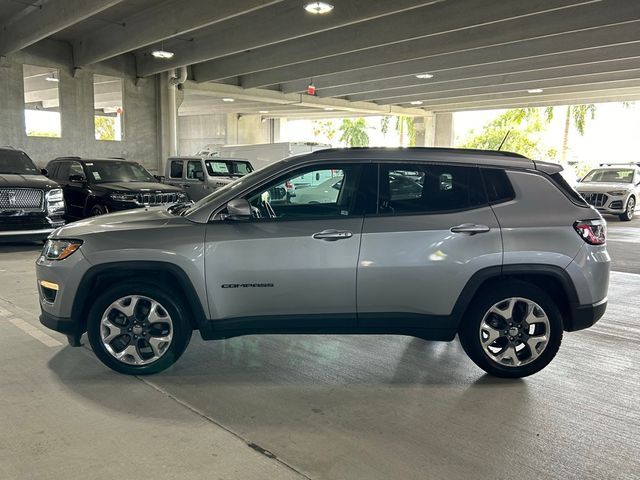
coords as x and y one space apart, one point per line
397 274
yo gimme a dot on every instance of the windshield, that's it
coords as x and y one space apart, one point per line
16 163
116 171
227 167
608 175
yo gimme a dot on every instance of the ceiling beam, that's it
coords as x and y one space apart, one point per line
602 71
301 100
570 85
596 44
34 24
278 23
163 20
398 28
500 34
566 64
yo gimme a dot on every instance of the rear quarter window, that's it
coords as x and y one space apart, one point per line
497 185
560 182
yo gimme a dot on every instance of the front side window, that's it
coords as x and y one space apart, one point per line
75 169
194 170
424 188
227 168
310 193
176 169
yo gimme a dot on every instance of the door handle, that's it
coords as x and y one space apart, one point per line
332 235
470 228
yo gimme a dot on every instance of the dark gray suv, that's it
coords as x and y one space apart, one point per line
431 243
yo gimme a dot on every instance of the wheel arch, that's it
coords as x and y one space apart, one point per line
167 274
552 279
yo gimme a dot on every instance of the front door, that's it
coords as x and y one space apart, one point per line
292 265
432 231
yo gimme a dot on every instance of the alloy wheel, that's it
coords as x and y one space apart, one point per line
136 330
631 206
514 332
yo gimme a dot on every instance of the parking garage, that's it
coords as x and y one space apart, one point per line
150 81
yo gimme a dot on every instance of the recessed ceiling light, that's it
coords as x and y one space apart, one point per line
328 109
318 8
416 102
263 111
163 54
424 75
228 100
535 90
52 77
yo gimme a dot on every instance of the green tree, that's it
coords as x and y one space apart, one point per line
404 123
324 128
579 114
354 132
522 128
105 128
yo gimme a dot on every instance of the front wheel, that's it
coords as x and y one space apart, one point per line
97 210
138 329
512 330
629 211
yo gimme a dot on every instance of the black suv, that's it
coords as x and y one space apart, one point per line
31 205
98 186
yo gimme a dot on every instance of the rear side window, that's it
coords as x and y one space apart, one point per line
568 190
176 169
429 188
498 186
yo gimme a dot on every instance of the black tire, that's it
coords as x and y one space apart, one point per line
173 305
97 210
629 210
469 332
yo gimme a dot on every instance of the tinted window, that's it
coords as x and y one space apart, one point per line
568 190
194 170
176 169
63 171
428 188
52 170
498 186
75 169
117 171
310 193
16 162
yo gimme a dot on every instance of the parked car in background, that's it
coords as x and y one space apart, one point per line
98 186
612 189
200 176
262 154
495 248
31 205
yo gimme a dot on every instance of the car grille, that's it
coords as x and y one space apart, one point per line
21 199
596 199
156 198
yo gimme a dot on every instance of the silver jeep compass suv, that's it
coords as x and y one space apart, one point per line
431 243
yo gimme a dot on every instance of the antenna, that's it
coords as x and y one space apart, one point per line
504 140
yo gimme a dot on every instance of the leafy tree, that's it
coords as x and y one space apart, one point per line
324 128
522 128
402 123
579 115
354 132
105 128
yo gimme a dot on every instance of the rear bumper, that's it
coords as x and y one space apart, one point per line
584 316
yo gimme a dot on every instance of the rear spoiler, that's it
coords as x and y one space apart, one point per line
547 167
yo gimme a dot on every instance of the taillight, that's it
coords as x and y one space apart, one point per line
593 232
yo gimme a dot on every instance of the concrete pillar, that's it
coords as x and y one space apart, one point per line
438 130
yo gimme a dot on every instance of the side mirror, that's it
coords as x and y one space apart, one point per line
238 209
44 172
199 176
77 178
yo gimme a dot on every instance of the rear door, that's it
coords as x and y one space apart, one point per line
433 229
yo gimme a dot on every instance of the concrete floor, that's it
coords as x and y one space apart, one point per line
351 407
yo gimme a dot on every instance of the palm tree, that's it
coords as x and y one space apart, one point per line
579 115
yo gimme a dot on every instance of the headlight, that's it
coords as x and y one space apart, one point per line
55 201
616 193
60 249
123 197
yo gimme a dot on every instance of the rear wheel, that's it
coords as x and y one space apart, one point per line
629 211
512 330
138 329
97 210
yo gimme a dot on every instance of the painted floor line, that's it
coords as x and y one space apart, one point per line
35 332
626 273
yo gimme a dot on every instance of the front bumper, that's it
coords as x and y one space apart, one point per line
585 316
31 224
605 203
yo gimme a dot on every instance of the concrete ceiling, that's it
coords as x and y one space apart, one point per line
362 57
